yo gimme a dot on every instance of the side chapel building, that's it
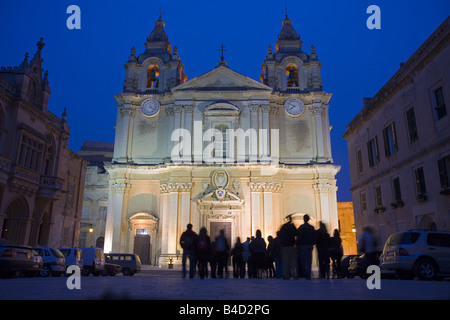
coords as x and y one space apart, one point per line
221 150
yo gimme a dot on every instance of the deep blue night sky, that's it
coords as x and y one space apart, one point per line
86 66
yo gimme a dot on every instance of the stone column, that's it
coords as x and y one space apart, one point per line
253 145
185 209
264 135
326 204
172 236
318 112
117 190
122 132
255 194
271 210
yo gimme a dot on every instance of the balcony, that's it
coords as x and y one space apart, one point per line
50 187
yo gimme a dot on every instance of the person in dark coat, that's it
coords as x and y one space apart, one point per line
276 253
306 238
270 257
258 250
188 242
287 235
336 253
223 250
237 258
323 251
213 260
203 252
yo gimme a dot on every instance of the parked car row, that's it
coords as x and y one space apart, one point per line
44 261
423 254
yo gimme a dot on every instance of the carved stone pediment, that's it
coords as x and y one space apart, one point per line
221 79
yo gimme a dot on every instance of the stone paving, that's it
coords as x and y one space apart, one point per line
162 284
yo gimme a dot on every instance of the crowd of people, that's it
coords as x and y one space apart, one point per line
288 255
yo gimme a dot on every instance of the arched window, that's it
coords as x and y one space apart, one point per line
292 75
152 77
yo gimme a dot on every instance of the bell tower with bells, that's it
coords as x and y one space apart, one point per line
158 68
295 76
289 68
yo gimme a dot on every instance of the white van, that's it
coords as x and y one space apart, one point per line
93 261
73 256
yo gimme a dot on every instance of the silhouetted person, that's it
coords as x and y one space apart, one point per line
367 245
336 253
203 252
237 258
188 242
258 250
323 251
276 253
270 257
287 236
306 238
222 250
246 254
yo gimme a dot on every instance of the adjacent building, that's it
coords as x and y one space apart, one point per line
41 179
95 198
399 146
220 150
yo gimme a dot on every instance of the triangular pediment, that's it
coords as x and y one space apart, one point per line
222 78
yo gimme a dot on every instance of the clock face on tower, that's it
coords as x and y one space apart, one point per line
294 107
150 107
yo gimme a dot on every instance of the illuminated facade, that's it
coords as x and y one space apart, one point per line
221 150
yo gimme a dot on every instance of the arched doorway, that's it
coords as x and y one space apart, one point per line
142 237
16 224
221 210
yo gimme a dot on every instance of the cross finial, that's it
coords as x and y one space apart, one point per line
285 8
222 48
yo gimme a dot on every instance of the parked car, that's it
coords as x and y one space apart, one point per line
130 262
111 269
15 259
73 256
93 261
418 253
358 266
39 263
54 261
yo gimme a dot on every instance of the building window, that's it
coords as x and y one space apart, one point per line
102 211
390 140
85 212
372 149
420 184
363 202
441 111
221 147
30 153
444 170
412 126
359 161
398 202
378 200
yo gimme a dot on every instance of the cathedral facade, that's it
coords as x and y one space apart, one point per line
220 150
